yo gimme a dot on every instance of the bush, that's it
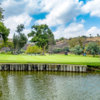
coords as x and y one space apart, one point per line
9 52
93 48
33 50
58 50
77 50
66 49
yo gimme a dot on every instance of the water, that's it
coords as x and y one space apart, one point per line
49 86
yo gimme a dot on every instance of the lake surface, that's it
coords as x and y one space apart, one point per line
49 86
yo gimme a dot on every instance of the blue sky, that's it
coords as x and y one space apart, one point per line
66 18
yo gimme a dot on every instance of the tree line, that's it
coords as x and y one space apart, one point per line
41 35
43 38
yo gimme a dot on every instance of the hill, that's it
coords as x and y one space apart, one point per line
75 41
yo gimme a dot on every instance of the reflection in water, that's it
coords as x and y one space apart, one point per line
49 86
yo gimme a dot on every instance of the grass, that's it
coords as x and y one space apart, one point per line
59 59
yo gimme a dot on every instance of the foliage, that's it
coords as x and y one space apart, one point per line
15 41
19 40
57 50
7 44
1 15
22 40
10 45
93 48
41 35
33 50
77 41
20 28
51 43
60 39
77 50
8 53
4 32
66 49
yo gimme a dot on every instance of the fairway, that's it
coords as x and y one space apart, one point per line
59 59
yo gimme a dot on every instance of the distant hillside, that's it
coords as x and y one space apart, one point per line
61 44
66 42
93 39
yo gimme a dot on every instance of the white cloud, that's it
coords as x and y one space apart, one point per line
92 7
61 12
74 30
12 7
13 21
18 12
17 7
49 5
93 31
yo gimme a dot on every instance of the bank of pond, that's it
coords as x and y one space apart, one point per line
48 67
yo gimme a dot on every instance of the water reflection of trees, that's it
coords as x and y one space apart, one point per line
34 85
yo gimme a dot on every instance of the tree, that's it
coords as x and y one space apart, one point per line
51 43
10 45
90 35
66 49
77 50
58 50
15 41
4 32
20 28
40 35
77 41
92 48
19 40
98 35
33 50
22 40
1 15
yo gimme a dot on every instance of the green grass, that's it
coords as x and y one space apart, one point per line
59 59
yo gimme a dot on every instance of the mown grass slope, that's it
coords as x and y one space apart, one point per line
59 59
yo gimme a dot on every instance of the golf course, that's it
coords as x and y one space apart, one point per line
56 58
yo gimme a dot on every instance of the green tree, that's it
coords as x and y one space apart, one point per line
20 28
33 50
66 49
40 35
15 41
1 15
77 41
19 40
58 50
51 43
77 50
4 32
93 48
22 41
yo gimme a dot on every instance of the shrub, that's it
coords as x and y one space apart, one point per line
33 50
58 50
77 50
3 52
66 49
93 48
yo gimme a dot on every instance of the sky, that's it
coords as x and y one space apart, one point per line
66 18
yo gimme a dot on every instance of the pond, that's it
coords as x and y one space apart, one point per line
49 86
